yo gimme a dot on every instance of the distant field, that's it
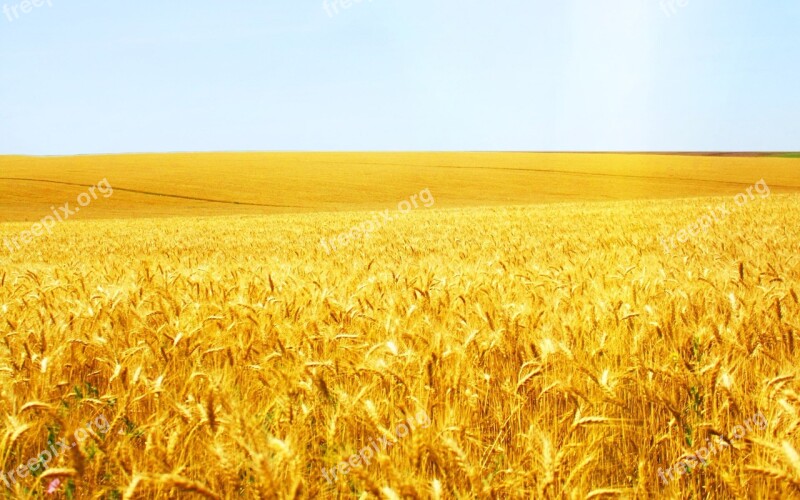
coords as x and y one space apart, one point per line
268 183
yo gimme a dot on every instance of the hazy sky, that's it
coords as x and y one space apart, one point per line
81 76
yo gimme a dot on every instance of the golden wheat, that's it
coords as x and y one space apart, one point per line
558 350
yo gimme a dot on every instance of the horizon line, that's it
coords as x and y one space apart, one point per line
246 151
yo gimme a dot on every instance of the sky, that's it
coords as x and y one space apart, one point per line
113 76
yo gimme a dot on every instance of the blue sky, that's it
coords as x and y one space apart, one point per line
107 76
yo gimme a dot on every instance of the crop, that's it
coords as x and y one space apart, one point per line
215 184
557 350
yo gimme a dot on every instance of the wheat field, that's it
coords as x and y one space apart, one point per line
214 184
548 350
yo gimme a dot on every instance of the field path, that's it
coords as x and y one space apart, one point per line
150 193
